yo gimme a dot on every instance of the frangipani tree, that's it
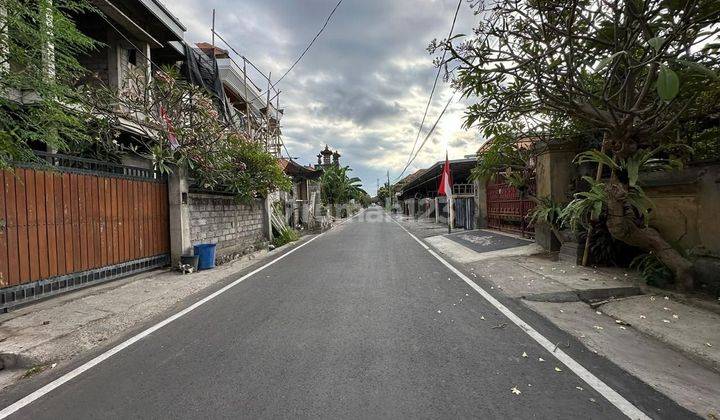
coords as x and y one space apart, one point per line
178 124
627 68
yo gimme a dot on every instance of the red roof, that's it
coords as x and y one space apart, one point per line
293 168
208 49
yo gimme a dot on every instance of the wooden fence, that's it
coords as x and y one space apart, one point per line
56 222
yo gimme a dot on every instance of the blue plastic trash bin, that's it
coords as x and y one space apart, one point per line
206 252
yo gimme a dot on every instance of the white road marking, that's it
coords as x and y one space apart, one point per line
12 408
625 406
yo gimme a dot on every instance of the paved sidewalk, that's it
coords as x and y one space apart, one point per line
44 334
669 341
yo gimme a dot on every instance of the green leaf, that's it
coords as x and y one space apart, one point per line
633 170
699 68
606 61
668 84
596 210
656 43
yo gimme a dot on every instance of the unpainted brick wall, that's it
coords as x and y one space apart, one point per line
221 220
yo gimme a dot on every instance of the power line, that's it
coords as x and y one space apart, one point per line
311 43
432 92
428 135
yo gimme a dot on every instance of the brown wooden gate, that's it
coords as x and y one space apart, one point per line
508 208
64 227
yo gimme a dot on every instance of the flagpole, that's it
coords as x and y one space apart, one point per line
450 212
448 194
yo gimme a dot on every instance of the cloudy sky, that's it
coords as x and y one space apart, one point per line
363 86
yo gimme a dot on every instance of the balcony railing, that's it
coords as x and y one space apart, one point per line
464 189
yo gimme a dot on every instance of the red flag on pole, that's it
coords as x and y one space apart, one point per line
446 179
446 189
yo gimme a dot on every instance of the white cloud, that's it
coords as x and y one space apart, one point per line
363 86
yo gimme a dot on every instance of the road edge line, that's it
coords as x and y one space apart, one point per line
622 404
56 383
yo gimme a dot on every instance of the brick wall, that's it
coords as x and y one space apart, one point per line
235 227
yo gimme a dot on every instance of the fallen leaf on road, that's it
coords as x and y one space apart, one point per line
623 328
667 321
467 294
540 359
666 298
482 317
642 317
579 388
675 316
652 298
524 354
439 311
592 400
53 365
665 308
708 344
515 391
557 369
597 327
598 312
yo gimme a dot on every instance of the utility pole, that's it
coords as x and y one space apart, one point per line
389 189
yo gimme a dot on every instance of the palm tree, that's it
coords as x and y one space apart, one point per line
337 187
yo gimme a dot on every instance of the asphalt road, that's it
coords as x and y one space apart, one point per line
360 323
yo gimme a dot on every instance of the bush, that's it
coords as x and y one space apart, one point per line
653 271
287 236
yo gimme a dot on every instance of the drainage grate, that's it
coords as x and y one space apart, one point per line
24 293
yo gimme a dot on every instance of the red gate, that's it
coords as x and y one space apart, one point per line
508 208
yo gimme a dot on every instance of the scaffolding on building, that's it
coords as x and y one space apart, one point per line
252 109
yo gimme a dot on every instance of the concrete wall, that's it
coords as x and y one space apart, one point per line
554 172
235 227
687 206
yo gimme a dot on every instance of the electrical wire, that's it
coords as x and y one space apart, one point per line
429 134
432 92
310 44
137 49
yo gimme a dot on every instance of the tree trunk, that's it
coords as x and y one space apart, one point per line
623 227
